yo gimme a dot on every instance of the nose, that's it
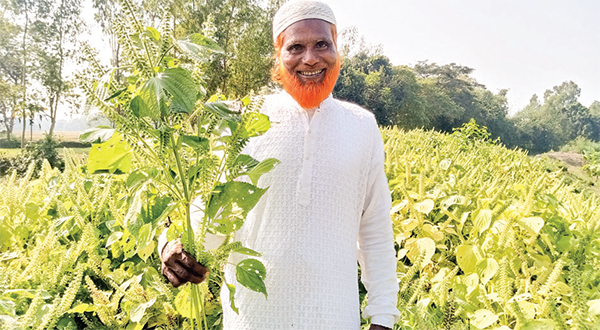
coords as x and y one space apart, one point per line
310 57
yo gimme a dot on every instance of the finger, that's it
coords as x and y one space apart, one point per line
190 263
172 277
186 275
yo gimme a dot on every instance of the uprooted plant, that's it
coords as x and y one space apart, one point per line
174 145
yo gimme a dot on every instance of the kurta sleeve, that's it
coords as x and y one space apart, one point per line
376 253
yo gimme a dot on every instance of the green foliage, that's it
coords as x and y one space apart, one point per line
590 151
487 237
557 119
191 151
471 132
581 145
32 156
9 143
425 95
60 263
592 162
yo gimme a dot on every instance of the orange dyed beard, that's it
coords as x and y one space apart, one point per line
310 94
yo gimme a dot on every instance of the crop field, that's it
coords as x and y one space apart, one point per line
487 238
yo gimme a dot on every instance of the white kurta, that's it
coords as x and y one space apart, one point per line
327 206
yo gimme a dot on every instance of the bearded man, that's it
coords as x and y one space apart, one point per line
328 200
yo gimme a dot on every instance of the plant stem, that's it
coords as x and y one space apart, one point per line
197 300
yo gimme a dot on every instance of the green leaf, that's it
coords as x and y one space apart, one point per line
140 176
129 246
247 251
594 307
540 324
420 246
7 307
82 308
115 94
111 156
97 134
32 211
182 88
137 312
146 242
113 238
231 202
425 206
263 167
196 142
152 33
5 237
183 302
220 109
152 96
251 273
135 206
482 220
486 269
255 124
483 318
231 289
66 323
453 200
533 224
138 106
245 161
194 45
466 258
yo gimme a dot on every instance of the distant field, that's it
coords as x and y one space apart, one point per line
16 151
63 136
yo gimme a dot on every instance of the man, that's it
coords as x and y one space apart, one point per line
328 201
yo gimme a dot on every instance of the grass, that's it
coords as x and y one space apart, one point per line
9 152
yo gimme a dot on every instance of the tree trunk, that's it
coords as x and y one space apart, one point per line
53 111
23 75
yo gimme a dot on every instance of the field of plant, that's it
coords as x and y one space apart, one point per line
486 237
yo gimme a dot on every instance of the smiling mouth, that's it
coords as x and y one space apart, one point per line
311 73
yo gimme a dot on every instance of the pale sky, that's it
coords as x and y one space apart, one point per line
524 46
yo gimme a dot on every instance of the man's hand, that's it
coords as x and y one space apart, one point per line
378 327
179 266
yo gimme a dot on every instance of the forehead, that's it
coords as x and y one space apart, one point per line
308 30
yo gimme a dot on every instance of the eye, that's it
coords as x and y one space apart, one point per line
294 48
322 44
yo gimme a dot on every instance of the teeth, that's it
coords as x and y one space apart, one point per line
306 73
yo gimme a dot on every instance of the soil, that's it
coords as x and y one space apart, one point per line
573 163
569 158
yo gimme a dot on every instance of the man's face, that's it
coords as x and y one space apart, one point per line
308 51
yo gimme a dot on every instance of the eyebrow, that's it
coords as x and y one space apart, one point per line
302 40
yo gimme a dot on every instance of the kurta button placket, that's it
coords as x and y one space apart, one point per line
304 186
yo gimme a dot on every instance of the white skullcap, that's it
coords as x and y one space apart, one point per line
294 11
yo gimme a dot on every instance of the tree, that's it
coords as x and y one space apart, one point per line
595 109
559 119
242 28
26 9
56 31
10 71
106 12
